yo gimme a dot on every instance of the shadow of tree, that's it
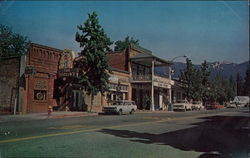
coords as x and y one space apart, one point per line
222 134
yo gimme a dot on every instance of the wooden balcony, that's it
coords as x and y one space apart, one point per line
148 78
141 78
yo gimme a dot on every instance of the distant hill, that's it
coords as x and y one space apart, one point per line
226 69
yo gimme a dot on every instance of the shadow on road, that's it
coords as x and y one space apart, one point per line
217 137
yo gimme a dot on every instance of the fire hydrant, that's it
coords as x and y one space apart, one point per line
49 110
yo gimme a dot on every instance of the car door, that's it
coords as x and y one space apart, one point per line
128 107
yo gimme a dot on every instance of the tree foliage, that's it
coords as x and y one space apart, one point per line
93 61
239 85
122 45
187 78
246 84
12 44
198 85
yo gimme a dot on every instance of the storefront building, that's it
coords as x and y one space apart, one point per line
40 72
30 81
45 77
148 90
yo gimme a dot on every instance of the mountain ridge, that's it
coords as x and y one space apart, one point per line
224 69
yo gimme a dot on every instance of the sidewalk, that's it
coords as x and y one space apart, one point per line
41 116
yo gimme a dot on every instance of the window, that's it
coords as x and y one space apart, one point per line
134 69
40 94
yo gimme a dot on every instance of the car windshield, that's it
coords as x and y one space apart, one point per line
118 103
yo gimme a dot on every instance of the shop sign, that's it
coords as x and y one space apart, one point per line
40 85
68 72
162 85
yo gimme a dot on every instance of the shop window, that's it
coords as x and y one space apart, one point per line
40 94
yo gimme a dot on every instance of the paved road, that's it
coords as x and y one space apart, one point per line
195 134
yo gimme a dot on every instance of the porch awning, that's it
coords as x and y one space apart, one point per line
146 59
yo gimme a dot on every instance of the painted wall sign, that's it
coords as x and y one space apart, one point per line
40 85
66 59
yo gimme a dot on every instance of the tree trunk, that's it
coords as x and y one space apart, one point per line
92 98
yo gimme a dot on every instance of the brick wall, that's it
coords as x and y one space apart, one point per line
45 60
9 76
118 60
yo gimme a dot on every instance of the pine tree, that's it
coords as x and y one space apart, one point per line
122 45
205 73
239 84
93 61
186 78
246 85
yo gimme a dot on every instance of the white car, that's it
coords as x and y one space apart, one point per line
120 107
182 105
231 105
197 106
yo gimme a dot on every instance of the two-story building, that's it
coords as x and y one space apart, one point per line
149 90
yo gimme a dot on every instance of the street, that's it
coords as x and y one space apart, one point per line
194 134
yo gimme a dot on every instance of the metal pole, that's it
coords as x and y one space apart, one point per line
152 88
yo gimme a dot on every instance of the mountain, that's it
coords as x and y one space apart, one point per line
225 68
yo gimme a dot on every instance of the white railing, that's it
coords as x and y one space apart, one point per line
163 80
142 78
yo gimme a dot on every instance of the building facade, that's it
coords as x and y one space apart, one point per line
9 83
31 84
148 90
38 92
45 77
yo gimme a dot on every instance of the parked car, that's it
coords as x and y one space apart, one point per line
120 107
231 105
197 105
182 105
212 106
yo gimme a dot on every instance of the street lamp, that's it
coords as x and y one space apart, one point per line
182 56
170 69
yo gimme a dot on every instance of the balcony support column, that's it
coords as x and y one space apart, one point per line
152 87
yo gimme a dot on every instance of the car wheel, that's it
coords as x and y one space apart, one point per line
120 112
132 111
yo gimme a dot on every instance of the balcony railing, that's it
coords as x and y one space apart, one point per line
155 79
163 80
142 78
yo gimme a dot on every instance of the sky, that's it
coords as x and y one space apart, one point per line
201 30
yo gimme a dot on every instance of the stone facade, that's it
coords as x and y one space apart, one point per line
9 78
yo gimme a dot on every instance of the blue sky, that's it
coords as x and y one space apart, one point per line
210 30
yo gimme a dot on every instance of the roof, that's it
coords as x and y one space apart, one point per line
45 47
118 70
146 58
140 49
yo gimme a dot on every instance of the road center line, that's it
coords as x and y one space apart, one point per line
112 127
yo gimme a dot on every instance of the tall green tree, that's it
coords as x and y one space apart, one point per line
186 78
122 45
12 44
197 87
93 61
246 85
239 85
205 73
